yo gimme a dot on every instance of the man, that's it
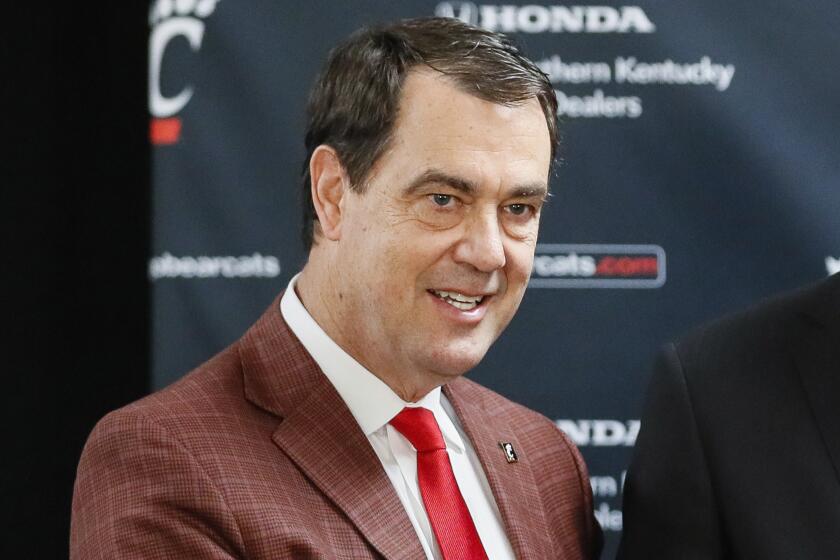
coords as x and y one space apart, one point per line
739 452
339 426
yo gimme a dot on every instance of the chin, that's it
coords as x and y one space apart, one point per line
455 361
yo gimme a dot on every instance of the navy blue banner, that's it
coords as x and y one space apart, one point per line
700 171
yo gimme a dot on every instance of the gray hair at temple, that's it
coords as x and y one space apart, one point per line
354 103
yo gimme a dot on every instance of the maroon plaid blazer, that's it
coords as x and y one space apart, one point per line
254 455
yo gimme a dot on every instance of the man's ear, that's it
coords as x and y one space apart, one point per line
329 184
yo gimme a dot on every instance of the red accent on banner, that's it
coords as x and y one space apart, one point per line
165 131
646 266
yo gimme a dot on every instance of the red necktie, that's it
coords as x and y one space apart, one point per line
451 522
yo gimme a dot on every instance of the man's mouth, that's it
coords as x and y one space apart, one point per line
457 300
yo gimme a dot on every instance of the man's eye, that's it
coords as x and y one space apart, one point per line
518 209
442 199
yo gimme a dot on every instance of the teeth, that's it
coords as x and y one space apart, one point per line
460 301
461 306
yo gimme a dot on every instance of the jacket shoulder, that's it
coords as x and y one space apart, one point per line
202 411
761 332
145 469
520 416
215 384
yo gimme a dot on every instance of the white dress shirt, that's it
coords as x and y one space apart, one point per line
373 404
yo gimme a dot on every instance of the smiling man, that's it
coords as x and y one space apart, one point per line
339 426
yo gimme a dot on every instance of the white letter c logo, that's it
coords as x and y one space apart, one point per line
193 30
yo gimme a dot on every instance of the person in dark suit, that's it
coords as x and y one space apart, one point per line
739 452
340 426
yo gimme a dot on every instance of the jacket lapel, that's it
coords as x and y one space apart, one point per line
513 484
320 435
818 361
326 443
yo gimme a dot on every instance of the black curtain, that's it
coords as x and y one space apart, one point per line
76 228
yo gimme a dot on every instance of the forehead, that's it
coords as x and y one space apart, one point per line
439 124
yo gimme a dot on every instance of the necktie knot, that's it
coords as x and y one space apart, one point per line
419 426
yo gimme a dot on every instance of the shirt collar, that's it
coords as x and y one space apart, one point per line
371 402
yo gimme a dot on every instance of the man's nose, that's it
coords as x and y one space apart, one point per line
482 244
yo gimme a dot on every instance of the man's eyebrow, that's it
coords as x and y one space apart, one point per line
436 176
530 190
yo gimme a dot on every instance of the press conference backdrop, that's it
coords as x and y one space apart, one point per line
700 171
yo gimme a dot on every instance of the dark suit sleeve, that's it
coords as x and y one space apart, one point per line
669 507
140 494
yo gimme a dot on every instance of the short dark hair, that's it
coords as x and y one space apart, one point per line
353 104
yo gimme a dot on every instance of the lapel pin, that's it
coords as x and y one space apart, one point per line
510 452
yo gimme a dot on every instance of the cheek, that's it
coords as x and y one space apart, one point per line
413 249
393 265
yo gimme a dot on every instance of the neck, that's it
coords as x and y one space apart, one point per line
320 293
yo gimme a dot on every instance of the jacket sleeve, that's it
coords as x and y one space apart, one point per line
139 493
669 505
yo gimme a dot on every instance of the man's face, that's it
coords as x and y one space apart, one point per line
434 256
